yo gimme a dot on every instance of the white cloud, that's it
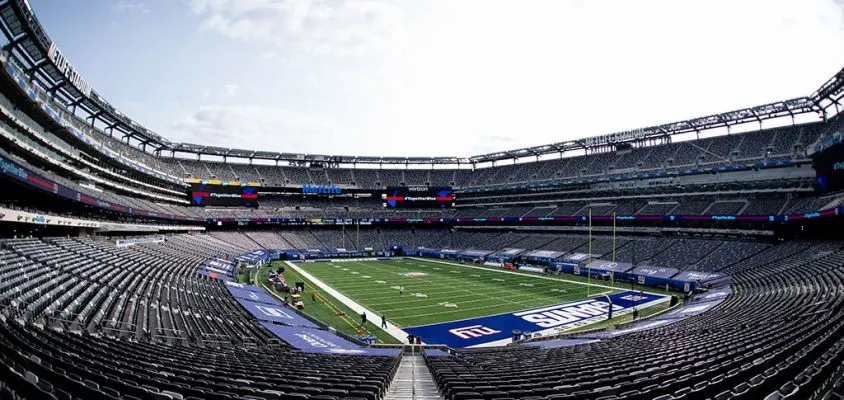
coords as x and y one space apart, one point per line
445 77
131 7
270 56
253 127
231 89
315 27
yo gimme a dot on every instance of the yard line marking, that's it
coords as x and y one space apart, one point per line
534 277
392 329
484 295
533 297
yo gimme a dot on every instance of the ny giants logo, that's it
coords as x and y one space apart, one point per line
552 317
474 331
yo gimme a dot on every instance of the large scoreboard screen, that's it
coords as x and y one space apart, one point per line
204 194
829 166
418 197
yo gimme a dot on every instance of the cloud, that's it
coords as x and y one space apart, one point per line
316 27
478 76
270 56
253 127
231 89
132 8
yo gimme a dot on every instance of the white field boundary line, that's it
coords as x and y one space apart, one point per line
537 277
452 281
510 300
461 309
491 272
372 317
524 306
370 285
430 298
423 260
457 289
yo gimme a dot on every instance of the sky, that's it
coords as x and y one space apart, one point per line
438 77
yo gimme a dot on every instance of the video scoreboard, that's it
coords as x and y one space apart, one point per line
418 197
829 166
206 194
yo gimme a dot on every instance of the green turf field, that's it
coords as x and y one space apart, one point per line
435 292
327 309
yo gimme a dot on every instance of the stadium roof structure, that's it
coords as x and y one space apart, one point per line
298 157
45 65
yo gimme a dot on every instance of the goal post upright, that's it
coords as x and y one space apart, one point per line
612 271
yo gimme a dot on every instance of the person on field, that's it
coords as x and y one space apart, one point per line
401 290
384 321
363 318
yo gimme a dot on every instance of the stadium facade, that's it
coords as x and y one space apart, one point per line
122 252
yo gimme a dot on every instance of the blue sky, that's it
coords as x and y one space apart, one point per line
438 77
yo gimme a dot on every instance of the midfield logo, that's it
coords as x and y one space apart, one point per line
474 331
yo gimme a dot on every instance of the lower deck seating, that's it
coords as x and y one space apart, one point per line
780 333
43 364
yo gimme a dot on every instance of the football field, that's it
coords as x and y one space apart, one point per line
436 292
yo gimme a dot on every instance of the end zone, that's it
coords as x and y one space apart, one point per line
497 330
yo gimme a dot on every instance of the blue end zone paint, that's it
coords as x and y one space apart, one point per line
483 330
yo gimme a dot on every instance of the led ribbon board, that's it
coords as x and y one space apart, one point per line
205 194
418 197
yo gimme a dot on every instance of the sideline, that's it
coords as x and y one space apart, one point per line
618 289
372 317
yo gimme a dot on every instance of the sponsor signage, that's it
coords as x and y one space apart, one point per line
223 195
242 286
252 295
319 341
321 189
63 65
614 138
418 197
608 266
498 329
688 276
274 313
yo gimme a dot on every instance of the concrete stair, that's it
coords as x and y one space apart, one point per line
413 381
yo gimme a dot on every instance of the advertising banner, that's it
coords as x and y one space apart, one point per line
274 313
252 295
320 341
